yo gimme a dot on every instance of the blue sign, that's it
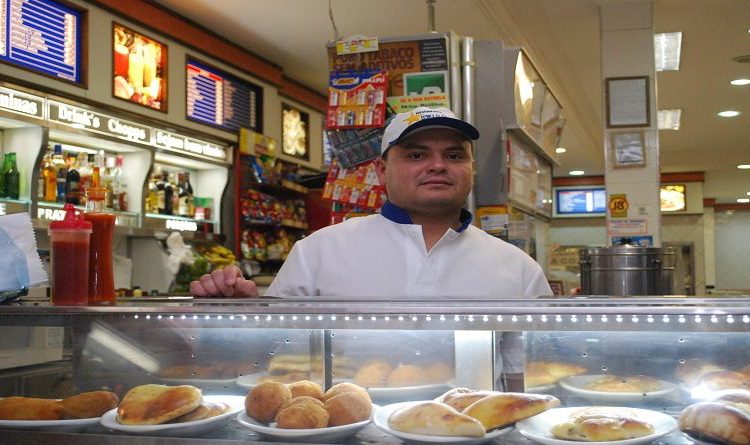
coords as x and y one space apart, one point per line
42 35
221 100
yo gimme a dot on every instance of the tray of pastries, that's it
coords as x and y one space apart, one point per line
302 412
597 424
70 414
618 388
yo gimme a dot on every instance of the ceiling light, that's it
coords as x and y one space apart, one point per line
560 150
669 119
740 81
744 166
576 172
728 113
743 200
667 50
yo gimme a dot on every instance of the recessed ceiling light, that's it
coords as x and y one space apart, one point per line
740 81
748 193
728 113
669 119
744 166
576 172
743 200
560 150
667 50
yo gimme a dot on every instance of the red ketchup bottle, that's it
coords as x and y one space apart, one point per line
69 259
101 273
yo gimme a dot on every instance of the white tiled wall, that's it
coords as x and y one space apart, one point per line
732 250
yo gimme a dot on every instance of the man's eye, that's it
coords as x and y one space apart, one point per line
456 156
415 155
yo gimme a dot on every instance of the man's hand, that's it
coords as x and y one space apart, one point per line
227 282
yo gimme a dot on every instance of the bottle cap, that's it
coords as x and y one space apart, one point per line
73 220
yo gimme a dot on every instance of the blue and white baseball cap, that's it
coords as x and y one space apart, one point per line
422 118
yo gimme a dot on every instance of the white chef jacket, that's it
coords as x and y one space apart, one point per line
384 255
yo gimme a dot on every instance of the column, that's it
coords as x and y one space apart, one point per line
631 140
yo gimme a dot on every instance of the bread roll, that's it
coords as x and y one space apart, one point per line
88 405
435 419
264 401
460 401
459 390
544 373
29 408
691 370
348 407
719 380
343 387
602 425
301 399
502 409
406 375
373 374
156 404
438 373
306 388
722 421
303 415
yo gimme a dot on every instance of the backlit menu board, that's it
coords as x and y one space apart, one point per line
219 99
42 35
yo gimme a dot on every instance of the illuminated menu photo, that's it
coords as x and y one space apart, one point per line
294 132
43 36
139 68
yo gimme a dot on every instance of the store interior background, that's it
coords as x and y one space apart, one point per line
562 39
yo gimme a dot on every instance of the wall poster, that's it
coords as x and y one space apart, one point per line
139 68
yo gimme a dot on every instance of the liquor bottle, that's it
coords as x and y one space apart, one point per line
61 172
108 183
49 173
169 194
40 179
187 204
12 178
6 166
72 191
120 185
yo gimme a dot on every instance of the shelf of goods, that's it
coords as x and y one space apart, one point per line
655 360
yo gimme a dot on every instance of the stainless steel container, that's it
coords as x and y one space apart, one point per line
627 270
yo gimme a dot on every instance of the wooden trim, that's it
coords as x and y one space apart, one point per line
301 93
683 177
732 207
709 202
577 180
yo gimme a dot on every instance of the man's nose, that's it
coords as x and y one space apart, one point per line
437 163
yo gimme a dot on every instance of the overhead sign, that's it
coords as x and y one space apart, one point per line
175 142
356 44
21 103
98 122
42 35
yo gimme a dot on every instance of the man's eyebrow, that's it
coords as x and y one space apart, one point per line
418 146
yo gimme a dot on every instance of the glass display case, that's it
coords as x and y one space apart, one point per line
652 354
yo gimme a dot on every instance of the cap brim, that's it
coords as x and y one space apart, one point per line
465 128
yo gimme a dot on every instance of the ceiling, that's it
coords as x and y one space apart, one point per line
562 38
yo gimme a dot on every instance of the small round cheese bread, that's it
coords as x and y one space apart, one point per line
156 404
435 419
88 405
502 409
602 425
718 421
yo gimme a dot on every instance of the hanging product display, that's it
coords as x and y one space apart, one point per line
353 147
354 187
356 99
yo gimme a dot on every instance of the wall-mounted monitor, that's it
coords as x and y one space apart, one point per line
580 201
672 198
43 36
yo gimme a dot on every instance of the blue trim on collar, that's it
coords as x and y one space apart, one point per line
398 215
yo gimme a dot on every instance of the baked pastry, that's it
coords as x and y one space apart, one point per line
301 399
719 380
348 407
616 383
156 404
30 408
88 405
204 411
435 419
718 421
406 375
303 415
305 388
343 387
548 373
459 401
693 369
264 401
438 373
502 409
602 425
373 374
458 390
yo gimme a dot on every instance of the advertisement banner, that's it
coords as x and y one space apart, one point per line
356 99
139 68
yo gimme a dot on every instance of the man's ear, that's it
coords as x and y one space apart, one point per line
379 164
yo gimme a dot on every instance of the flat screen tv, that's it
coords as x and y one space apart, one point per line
580 201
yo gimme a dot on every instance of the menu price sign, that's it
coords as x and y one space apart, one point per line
139 68
221 100
43 36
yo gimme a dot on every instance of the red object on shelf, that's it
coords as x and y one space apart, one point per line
70 259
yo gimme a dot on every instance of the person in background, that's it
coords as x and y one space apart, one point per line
422 242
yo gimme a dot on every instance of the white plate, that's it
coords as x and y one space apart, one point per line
236 403
250 380
201 383
381 421
541 389
316 435
577 385
538 428
63 426
407 393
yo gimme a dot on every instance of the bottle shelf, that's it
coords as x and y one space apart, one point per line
179 218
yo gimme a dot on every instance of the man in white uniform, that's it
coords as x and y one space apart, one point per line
421 244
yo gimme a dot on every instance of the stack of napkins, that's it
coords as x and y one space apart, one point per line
20 265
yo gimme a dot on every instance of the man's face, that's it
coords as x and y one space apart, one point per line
431 171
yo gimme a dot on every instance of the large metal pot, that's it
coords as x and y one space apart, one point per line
627 270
